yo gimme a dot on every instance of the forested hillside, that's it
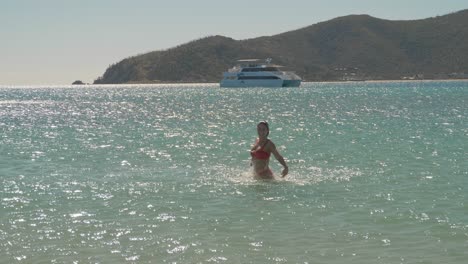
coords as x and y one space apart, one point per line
346 48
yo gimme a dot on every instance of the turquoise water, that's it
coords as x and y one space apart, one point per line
160 174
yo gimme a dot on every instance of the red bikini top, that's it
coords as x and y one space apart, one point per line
260 153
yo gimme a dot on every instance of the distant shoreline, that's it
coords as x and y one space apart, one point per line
214 83
331 81
377 81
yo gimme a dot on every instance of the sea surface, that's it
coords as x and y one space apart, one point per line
161 174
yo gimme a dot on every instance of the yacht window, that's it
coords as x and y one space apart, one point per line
266 69
258 78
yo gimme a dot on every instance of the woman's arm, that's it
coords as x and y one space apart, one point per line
280 159
255 145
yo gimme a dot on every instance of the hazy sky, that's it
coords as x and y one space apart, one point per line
60 41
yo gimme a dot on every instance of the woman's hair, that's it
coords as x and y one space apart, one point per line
266 124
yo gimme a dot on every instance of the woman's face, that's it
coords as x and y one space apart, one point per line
262 130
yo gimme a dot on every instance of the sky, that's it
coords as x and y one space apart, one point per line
54 42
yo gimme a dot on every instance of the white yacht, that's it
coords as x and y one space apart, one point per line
256 73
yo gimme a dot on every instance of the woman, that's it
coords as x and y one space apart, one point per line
261 152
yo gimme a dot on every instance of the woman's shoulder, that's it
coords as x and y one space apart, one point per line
270 144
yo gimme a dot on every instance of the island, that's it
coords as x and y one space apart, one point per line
348 48
78 82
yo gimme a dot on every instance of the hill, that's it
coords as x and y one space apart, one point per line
344 48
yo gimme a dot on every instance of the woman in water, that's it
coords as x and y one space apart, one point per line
261 152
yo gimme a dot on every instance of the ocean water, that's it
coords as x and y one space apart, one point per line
160 174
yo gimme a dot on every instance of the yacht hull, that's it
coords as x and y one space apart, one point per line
291 83
259 83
